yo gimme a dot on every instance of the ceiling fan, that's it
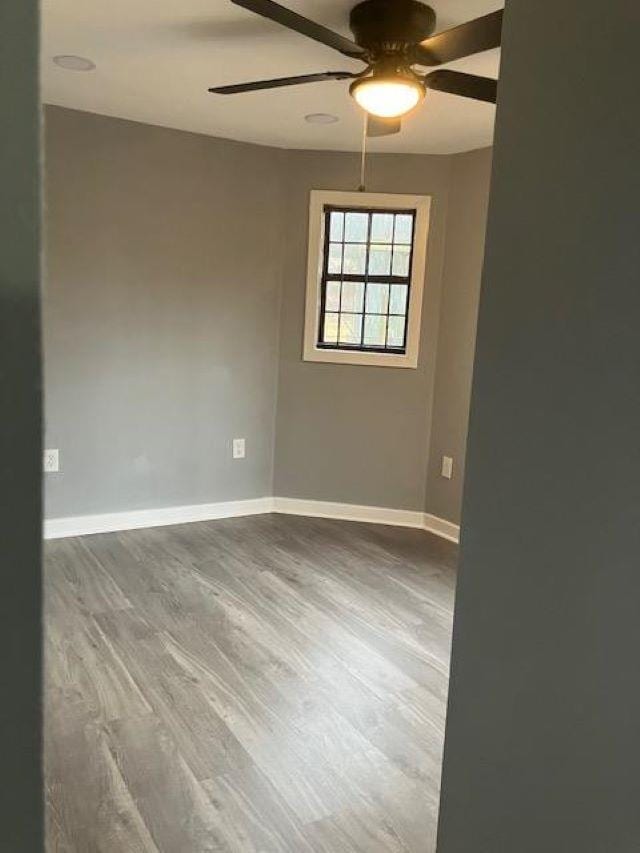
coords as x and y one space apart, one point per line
390 37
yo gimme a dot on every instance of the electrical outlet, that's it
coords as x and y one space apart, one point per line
238 448
447 467
51 461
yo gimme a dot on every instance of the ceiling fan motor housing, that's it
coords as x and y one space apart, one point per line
391 25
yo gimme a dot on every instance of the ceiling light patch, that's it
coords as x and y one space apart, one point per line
70 62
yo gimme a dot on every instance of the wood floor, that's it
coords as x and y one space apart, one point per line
257 684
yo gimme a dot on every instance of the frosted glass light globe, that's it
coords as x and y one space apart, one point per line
387 98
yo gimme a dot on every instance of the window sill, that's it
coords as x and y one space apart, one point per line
365 359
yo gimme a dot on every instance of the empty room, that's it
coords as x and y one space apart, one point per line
259 323
319 370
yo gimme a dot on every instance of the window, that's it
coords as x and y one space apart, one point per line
366 275
366 272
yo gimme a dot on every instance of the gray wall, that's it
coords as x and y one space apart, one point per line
543 734
464 253
163 274
176 275
350 433
20 447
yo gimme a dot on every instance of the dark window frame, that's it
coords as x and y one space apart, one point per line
366 278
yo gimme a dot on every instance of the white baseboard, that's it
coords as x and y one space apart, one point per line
371 514
349 512
57 528
441 527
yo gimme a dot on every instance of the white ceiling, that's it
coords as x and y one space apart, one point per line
155 61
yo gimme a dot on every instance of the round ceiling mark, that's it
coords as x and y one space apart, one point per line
74 63
321 118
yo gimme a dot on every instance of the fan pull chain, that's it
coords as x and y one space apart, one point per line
362 188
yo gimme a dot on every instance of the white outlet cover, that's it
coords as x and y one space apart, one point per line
447 467
51 461
238 448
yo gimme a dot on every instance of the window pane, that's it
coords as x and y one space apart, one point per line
395 332
355 257
330 332
335 258
401 255
332 296
352 296
374 331
336 229
379 260
404 228
377 298
382 228
356 227
398 299
350 328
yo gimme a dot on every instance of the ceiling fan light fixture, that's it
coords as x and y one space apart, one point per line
388 96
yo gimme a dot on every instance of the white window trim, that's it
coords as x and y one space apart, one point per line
318 199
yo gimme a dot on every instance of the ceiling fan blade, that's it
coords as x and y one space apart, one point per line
466 85
281 15
377 126
473 37
237 88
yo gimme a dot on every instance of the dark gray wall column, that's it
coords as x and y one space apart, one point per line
20 453
542 748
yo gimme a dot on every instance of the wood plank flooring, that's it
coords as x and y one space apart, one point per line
258 685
